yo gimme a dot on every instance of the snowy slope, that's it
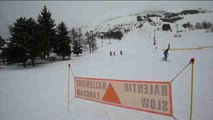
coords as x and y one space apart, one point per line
40 93
130 22
110 24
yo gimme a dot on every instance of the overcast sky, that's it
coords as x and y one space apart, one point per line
81 13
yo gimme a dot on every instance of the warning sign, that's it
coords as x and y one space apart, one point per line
154 97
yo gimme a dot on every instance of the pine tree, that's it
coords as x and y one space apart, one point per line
47 24
33 41
24 42
17 47
42 38
77 48
76 37
2 43
63 41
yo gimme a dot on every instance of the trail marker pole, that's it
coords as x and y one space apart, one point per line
68 89
192 83
192 86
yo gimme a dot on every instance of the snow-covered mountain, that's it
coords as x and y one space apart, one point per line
130 22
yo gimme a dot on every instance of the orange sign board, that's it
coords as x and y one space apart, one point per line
148 96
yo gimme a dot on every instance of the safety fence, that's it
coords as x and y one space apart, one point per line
148 96
183 49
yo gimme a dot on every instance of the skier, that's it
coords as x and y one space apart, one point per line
166 53
114 53
121 53
110 53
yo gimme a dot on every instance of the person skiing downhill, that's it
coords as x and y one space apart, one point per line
110 53
166 53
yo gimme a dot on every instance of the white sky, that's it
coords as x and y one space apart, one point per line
81 13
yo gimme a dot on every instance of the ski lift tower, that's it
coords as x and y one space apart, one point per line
177 34
154 34
154 39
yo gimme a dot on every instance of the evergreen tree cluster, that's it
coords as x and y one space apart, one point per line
203 25
187 25
30 39
114 34
91 41
42 38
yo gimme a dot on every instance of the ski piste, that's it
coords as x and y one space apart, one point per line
41 93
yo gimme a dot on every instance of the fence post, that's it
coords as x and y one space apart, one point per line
192 86
68 88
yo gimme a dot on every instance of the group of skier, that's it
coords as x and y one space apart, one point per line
166 53
121 53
